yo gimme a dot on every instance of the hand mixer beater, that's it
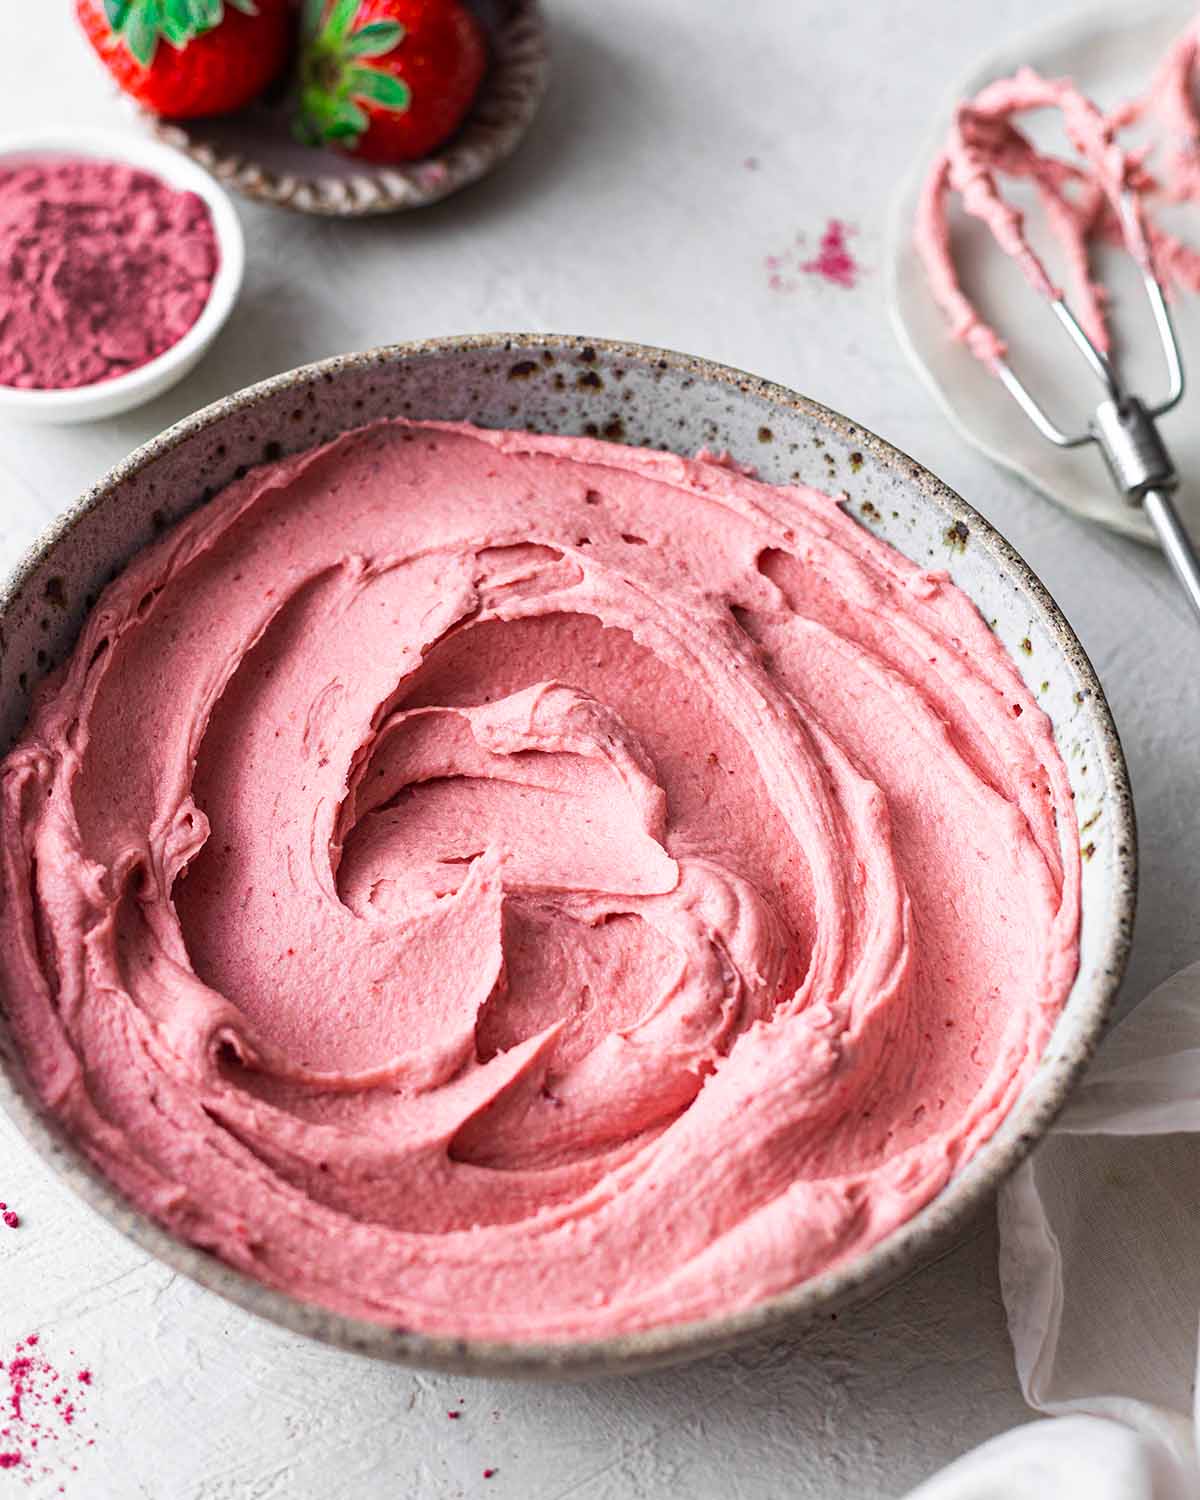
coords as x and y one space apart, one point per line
1099 198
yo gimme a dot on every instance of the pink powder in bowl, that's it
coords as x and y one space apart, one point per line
103 267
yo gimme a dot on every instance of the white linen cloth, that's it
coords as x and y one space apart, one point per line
1100 1271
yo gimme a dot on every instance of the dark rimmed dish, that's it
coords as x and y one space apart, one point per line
254 152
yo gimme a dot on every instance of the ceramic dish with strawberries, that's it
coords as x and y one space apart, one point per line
336 107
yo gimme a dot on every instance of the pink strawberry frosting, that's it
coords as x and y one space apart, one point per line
522 887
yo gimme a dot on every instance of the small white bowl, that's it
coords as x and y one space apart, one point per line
105 398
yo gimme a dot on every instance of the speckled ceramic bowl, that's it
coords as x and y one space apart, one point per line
626 393
255 153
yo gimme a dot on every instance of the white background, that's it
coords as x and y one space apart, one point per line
629 213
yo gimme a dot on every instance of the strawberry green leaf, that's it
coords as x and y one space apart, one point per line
340 17
142 22
176 23
315 105
349 121
379 87
200 18
375 39
321 107
336 77
349 113
141 35
314 14
325 117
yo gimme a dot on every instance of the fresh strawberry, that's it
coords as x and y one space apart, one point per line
219 54
387 80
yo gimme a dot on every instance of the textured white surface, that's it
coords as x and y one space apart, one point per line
629 213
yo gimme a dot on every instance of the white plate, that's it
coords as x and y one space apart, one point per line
1111 54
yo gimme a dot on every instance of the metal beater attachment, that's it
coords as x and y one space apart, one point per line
1126 429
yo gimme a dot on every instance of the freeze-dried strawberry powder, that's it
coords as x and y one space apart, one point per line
103 267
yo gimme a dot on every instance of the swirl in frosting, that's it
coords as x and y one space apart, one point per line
526 887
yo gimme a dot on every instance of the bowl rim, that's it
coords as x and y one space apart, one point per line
906 1248
123 392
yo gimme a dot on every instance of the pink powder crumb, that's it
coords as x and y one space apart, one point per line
833 259
38 1408
103 267
13 1220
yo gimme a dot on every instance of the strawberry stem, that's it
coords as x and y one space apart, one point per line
336 77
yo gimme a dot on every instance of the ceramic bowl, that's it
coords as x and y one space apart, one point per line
626 393
88 403
254 151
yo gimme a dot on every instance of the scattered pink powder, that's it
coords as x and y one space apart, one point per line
833 261
12 1219
38 1407
751 164
102 268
